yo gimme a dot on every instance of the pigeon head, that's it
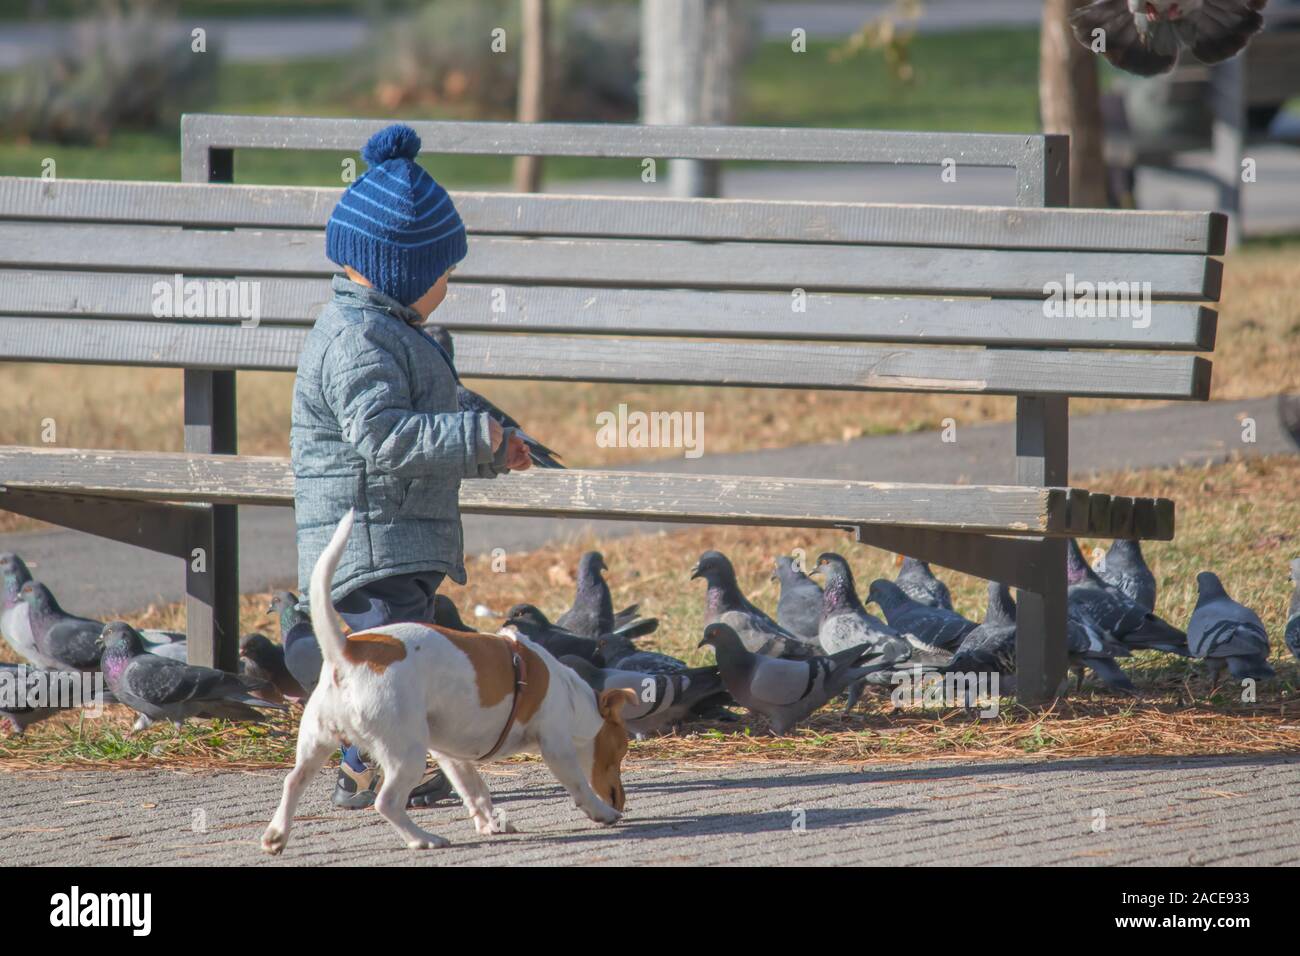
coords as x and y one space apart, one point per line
1001 608
1123 554
258 649
839 579
1209 587
887 594
715 568
285 604
784 569
1077 569
11 564
39 599
590 565
13 577
527 614
913 566
120 639
720 637
613 646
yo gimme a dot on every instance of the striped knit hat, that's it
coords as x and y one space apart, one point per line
395 225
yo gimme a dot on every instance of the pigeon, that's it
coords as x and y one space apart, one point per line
445 614
302 655
990 647
1115 612
724 603
846 623
263 660
471 401
1221 630
935 626
785 691
663 700
1145 37
160 689
1126 569
67 642
14 623
919 583
799 609
618 651
1293 613
1089 646
535 626
592 613
65 685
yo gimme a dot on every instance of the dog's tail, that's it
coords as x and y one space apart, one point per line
329 633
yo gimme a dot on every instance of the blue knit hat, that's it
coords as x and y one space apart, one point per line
395 224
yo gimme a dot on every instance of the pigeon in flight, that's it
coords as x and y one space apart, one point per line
919 583
1223 631
799 609
725 604
1115 612
14 623
1293 613
1145 37
1126 569
263 660
302 655
161 689
662 700
785 691
470 401
935 626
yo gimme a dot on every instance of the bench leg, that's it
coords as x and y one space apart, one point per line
1042 458
212 567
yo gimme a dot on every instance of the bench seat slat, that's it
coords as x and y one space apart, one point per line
303 207
639 361
665 312
713 499
902 269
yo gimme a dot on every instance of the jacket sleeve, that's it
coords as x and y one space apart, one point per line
368 392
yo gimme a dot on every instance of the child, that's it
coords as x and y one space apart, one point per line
375 420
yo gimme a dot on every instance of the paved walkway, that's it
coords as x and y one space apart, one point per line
1162 812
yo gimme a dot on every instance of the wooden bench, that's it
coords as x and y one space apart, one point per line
636 290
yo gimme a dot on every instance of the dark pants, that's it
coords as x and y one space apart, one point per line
403 597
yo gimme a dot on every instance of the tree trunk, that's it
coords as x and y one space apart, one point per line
1069 93
531 107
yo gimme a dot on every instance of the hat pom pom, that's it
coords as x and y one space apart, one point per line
393 142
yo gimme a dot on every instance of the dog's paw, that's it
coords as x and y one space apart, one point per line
274 840
605 815
429 841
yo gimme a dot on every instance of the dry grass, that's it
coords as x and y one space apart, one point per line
1258 355
1242 519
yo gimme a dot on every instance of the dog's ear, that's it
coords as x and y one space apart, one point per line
612 702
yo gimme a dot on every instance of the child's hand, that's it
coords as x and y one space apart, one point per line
517 456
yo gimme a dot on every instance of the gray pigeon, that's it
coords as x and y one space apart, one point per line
1145 37
67 642
14 623
592 613
785 691
302 656
919 583
990 647
846 623
534 625
54 687
725 604
160 689
1223 631
1126 569
618 651
1115 612
799 609
935 626
1293 613
263 660
1091 646
471 401
663 700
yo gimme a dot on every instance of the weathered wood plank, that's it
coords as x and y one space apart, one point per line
663 362
1121 516
650 264
300 207
660 312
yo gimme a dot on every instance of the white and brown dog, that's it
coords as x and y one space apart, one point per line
404 690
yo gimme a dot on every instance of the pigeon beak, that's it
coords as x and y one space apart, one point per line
703 641
695 572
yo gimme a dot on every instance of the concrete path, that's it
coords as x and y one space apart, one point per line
1161 812
100 578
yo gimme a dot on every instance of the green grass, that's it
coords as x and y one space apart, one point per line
978 81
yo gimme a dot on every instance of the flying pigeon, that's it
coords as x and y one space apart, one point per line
263 661
1293 614
725 604
785 691
618 651
446 614
846 623
1145 37
1221 630
14 623
991 646
919 583
535 626
1126 569
799 609
160 689
302 655
471 401
67 642
592 613
662 700
1115 612
935 626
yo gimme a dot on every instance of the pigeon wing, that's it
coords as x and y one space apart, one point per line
1127 47
1224 27
779 683
72 642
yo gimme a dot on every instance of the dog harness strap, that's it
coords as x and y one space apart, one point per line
521 678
